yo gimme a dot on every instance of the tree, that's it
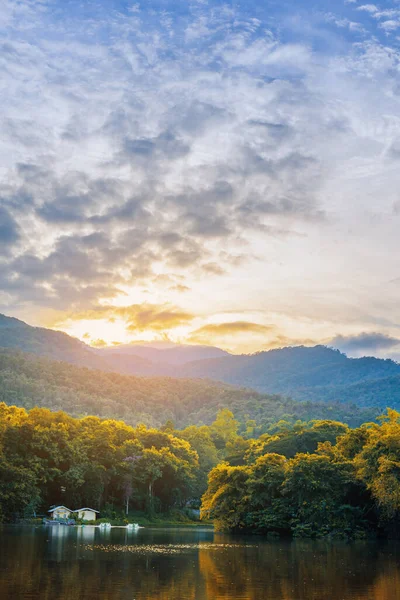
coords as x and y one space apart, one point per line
150 468
319 490
268 509
378 462
200 440
18 490
224 428
225 500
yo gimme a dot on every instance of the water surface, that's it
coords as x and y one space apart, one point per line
66 563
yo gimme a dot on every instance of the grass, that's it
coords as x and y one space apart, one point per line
175 518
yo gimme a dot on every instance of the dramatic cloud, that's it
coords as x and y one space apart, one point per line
157 318
136 317
216 158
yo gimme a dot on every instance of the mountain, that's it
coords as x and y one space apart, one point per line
319 374
173 354
16 334
28 380
161 359
134 359
308 374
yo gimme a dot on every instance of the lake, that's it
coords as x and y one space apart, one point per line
68 563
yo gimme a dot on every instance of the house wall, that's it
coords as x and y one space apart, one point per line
87 515
61 513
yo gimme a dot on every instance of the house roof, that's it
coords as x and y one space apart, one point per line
57 507
92 509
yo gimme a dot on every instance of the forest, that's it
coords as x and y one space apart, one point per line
27 380
303 479
348 488
319 375
49 458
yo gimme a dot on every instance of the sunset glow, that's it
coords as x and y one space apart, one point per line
202 172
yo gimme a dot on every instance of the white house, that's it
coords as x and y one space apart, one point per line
87 514
60 512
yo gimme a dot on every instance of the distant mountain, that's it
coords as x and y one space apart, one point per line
316 374
173 354
16 334
319 374
28 380
130 359
308 374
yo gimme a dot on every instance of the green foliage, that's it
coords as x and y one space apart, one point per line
290 477
51 458
18 493
348 485
301 437
317 375
378 464
224 500
28 381
308 374
200 439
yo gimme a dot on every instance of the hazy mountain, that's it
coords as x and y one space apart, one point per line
317 374
16 334
137 359
28 380
172 354
307 373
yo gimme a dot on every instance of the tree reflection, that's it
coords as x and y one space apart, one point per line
302 570
68 564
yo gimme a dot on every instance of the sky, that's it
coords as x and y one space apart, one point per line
222 173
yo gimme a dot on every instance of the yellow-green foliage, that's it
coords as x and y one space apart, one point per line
303 479
50 458
349 489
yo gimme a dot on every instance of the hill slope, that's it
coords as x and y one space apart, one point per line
308 374
131 359
16 334
173 354
319 374
27 380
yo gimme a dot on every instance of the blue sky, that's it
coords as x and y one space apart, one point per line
206 172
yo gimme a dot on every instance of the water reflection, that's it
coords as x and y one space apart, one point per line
88 563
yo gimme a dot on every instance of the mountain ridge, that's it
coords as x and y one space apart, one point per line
175 355
18 335
29 381
316 373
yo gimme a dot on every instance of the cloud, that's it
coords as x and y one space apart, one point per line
390 25
245 337
365 343
389 19
223 330
180 288
156 141
370 8
9 231
234 327
157 318
99 343
137 317
217 146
